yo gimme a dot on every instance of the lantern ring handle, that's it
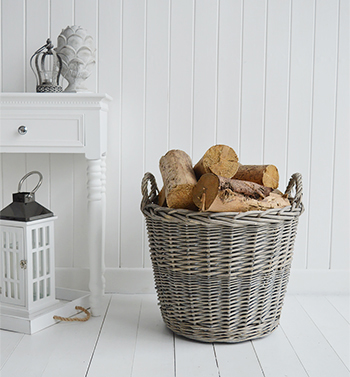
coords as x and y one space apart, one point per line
35 189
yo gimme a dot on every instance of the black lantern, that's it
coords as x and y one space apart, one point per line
27 259
47 70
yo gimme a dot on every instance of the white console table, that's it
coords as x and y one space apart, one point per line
65 123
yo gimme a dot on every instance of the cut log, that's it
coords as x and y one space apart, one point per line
266 175
220 159
161 198
233 202
217 194
179 179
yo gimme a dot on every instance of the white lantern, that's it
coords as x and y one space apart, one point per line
27 277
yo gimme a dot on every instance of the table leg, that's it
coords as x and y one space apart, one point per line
96 224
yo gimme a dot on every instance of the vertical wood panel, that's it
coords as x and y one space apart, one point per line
181 67
79 192
132 132
340 215
86 16
253 82
13 21
14 168
205 77
110 82
229 70
62 204
36 35
323 124
277 86
156 101
61 16
298 158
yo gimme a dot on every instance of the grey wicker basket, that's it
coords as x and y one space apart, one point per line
221 277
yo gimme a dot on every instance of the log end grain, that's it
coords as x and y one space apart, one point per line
270 177
205 191
220 159
265 175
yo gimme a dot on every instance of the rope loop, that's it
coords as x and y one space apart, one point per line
70 319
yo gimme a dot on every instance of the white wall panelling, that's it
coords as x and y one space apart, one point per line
181 56
253 81
132 134
340 215
300 107
323 130
270 78
110 81
229 78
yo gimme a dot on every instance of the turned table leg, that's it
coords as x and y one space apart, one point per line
96 231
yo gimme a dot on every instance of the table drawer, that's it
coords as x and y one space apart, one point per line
40 131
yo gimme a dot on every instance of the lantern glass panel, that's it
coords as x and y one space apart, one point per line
42 293
12 266
34 265
47 236
5 264
40 237
34 239
48 261
41 263
48 285
35 291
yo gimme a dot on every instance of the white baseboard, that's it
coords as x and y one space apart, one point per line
140 280
319 282
118 280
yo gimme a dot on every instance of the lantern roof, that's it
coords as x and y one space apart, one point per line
24 208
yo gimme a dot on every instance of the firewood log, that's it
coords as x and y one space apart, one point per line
178 178
161 198
266 175
220 159
217 194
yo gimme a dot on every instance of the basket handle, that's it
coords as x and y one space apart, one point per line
147 197
295 180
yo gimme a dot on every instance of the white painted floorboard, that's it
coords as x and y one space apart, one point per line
131 340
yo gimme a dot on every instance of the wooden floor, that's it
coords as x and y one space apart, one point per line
131 340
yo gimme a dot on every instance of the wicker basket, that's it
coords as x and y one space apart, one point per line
221 277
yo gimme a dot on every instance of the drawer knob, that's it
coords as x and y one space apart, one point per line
22 130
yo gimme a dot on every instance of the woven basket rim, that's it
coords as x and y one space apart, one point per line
150 208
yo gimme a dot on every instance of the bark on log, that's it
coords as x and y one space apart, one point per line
217 194
220 159
266 175
178 178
